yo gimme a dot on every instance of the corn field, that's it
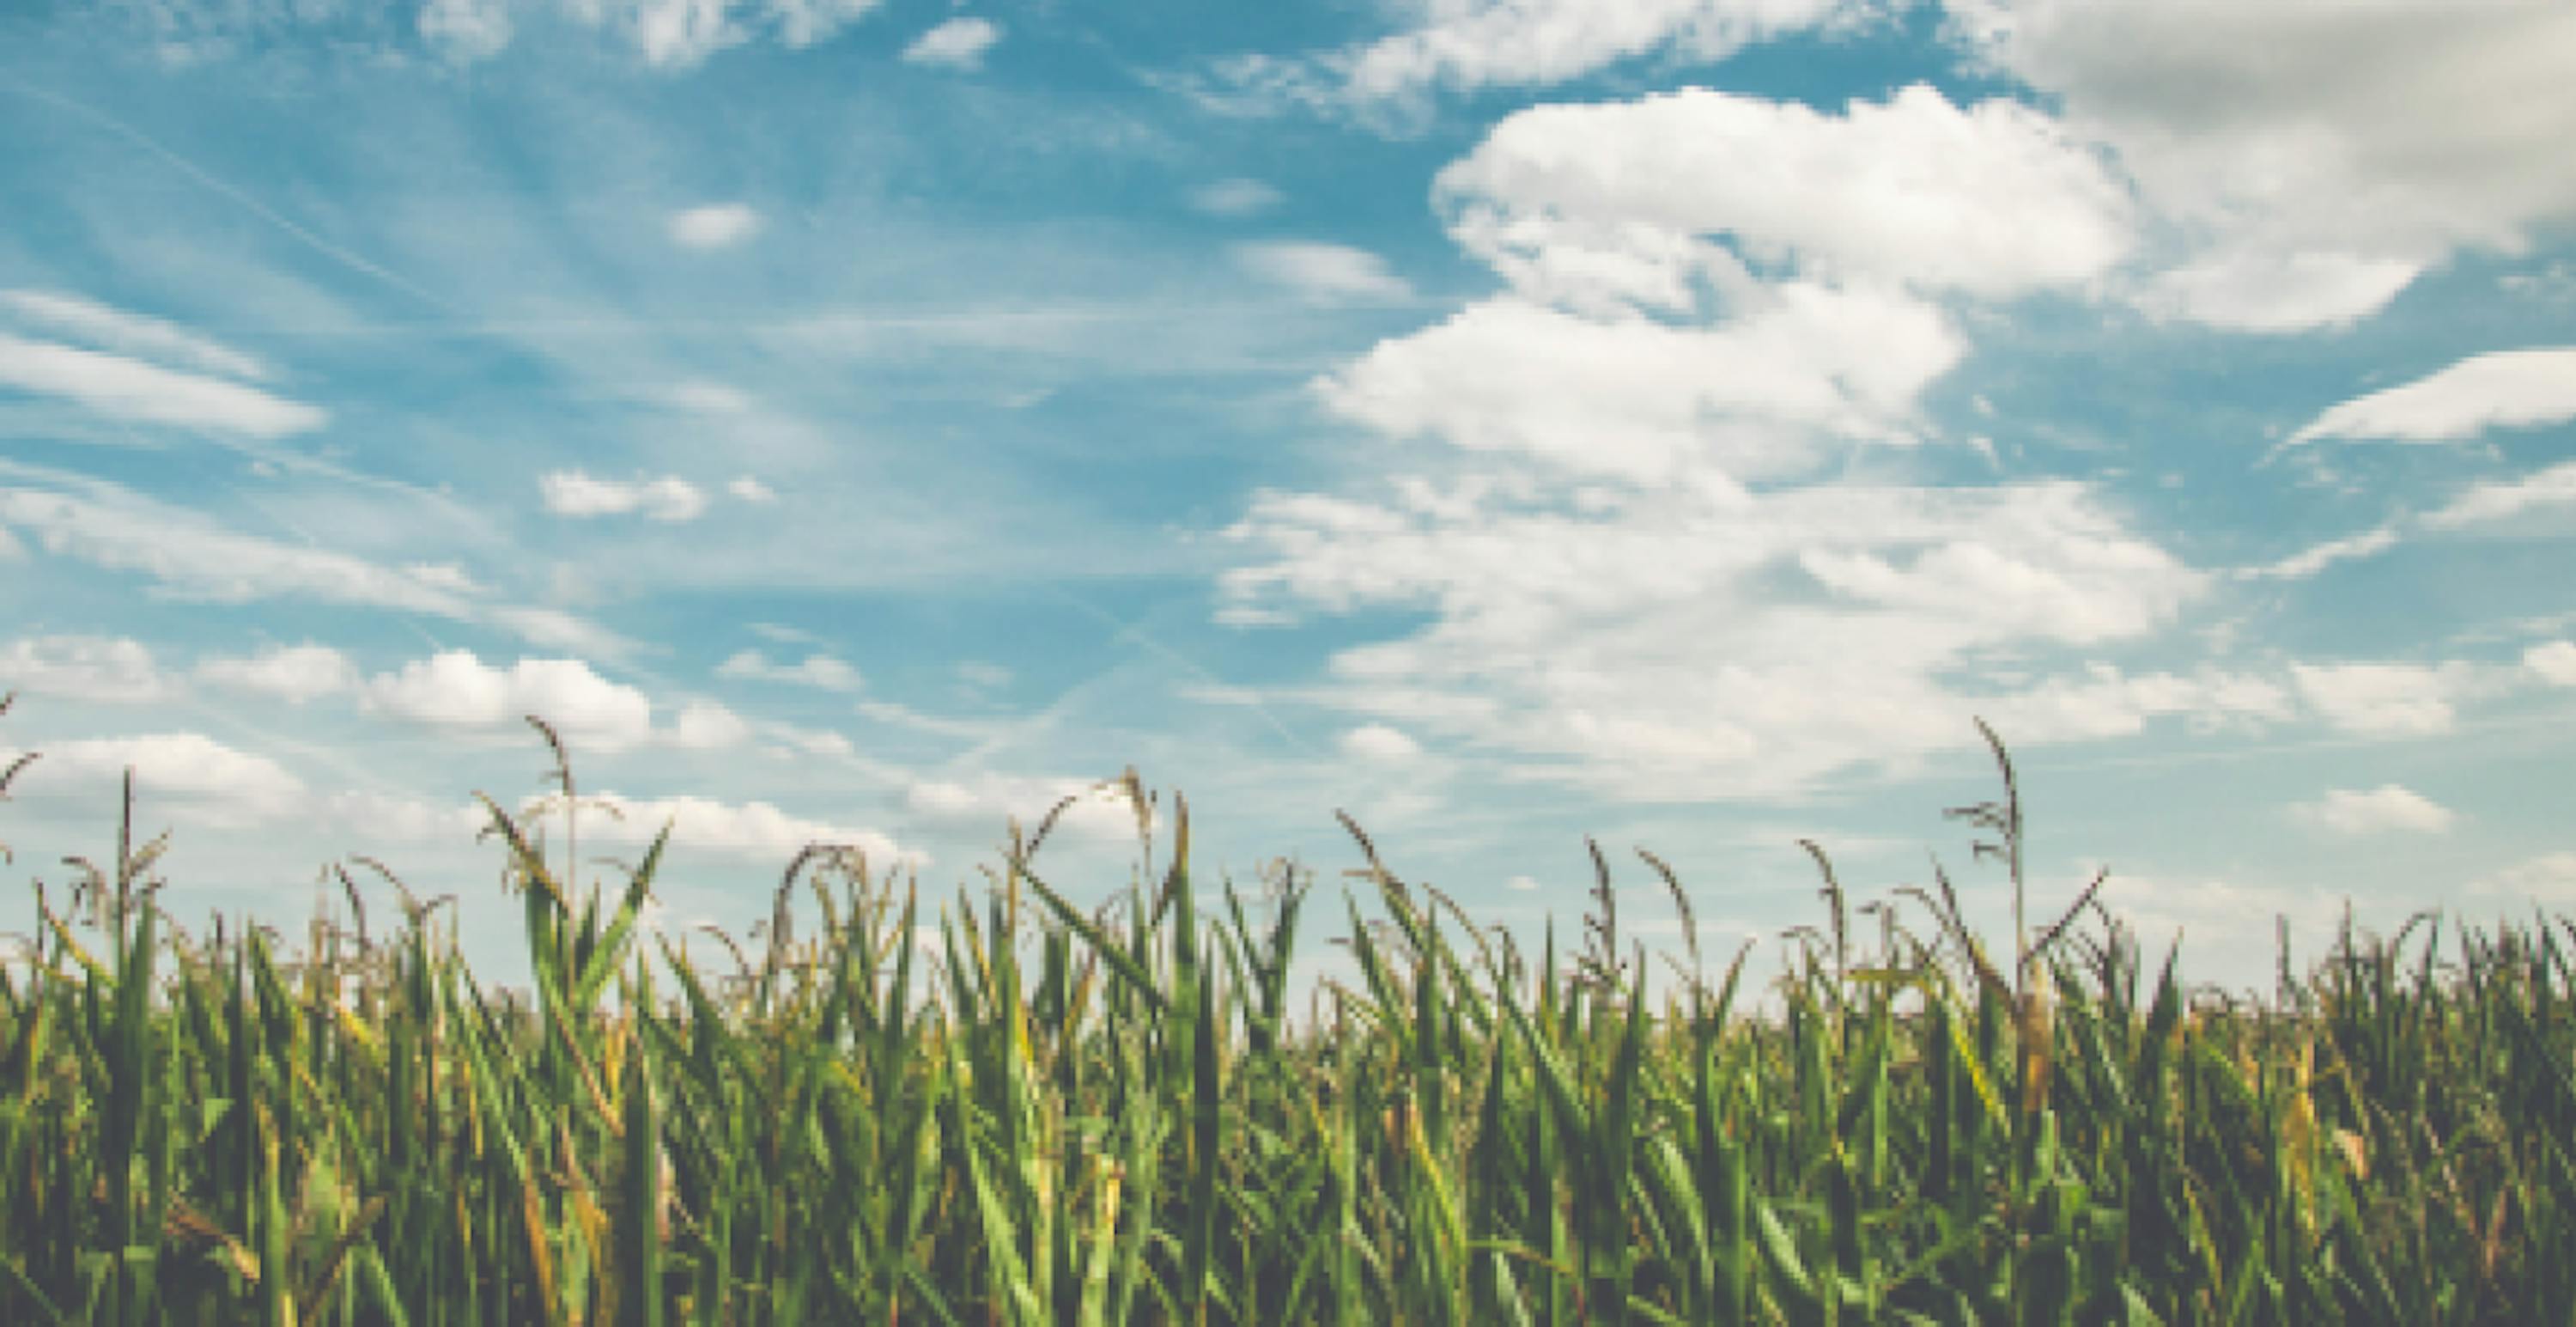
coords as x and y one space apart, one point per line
1022 1111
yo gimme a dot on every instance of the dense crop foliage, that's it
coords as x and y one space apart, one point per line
1045 1114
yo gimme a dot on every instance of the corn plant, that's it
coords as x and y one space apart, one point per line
1007 1106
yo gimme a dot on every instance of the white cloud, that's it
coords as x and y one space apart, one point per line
1234 197
1471 44
678 33
374 818
2504 500
113 670
2383 699
455 689
804 23
120 332
989 802
1522 884
821 742
579 495
556 629
466 30
715 225
207 780
192 557
820 671
1378 743
2501 389
2313 157
2258 289
1645 400
292 673
699 396
2106 702
983 673
2230 932
1623 200
704 725
1324 273
2308 562
1677 645
2386 809
747 488
752 831
446 576
959 43
130 389
783 634
2547 881
2554 662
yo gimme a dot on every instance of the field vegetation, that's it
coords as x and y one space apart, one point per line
1010 1109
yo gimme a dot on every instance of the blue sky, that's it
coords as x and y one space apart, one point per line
1509 420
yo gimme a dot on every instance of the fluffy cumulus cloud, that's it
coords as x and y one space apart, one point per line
1324 273
714 226
958 43
193 776
1647 199
1638 572
1379 744
2502 389
1631 397
705 725
2387 809
292 673
455 689
112 670
2384 699
819 671
2308 160
577 494
2553 662
756 832
1696 643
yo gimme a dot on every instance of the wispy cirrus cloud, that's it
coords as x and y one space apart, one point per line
136 391
1328 273
820 671
2493 501
2499 389
122 332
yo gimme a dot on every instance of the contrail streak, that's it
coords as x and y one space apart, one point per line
326 248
